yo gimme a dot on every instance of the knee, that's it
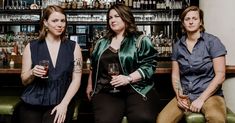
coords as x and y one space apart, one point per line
103 120
161 118
142 118
215 118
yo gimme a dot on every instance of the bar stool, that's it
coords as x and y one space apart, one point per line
199 118
7 104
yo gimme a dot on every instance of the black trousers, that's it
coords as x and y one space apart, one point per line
27 113
110 108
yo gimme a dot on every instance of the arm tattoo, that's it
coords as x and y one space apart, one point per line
178 86
217 87
77 66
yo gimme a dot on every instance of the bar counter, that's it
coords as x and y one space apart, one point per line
159 70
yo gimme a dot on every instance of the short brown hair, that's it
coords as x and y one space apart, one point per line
192 8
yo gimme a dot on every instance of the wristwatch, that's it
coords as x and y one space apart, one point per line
130 79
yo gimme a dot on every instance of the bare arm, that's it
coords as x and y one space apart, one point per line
61 109
76 78
175 78
135 76
89 89
176 84
217 81
26 73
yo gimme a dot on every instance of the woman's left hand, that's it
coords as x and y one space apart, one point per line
120 80
196 105
60 111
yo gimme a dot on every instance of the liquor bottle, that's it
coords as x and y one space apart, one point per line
12 63
15 48
5 57
96 4
102 4
126 2
145 4
134 4
153 4
141 4
150 4
130 3
138 4
167 4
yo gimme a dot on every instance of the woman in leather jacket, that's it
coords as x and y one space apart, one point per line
136 97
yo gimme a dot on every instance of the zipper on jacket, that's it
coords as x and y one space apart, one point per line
143 96
96 76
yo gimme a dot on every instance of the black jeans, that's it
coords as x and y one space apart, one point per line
27 113
110 108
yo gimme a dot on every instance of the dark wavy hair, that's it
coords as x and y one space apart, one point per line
46 14
126 15
192 8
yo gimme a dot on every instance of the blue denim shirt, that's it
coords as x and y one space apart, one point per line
196 68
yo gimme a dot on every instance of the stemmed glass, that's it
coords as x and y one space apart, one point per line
183 94
113 70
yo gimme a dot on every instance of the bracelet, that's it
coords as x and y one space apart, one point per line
130 79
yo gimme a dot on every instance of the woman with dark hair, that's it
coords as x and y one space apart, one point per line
198 72
49 94
129 92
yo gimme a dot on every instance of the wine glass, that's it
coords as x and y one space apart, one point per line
113 70
183 94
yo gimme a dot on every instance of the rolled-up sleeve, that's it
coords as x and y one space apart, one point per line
216 48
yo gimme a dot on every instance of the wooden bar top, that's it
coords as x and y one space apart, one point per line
159 70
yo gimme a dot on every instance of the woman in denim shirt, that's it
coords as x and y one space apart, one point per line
198 72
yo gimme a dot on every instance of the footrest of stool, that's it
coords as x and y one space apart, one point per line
76 110
7 104
124 119
199 118
230 116
195 118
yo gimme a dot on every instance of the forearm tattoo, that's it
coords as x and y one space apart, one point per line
178 87
77 66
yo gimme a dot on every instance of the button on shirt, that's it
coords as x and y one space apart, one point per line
196 68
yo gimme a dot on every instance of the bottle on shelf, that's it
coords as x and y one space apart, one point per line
4 57
11 63
88 63
15 49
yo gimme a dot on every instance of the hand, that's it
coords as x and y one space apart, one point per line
120 80
183 102
60 111
38 71
89 91
196 105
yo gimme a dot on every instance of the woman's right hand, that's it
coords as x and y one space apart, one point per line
38 71
89 90
183 101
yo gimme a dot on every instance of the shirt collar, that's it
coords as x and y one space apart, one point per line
183 39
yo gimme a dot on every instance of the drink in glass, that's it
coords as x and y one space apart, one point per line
45 64
113 70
